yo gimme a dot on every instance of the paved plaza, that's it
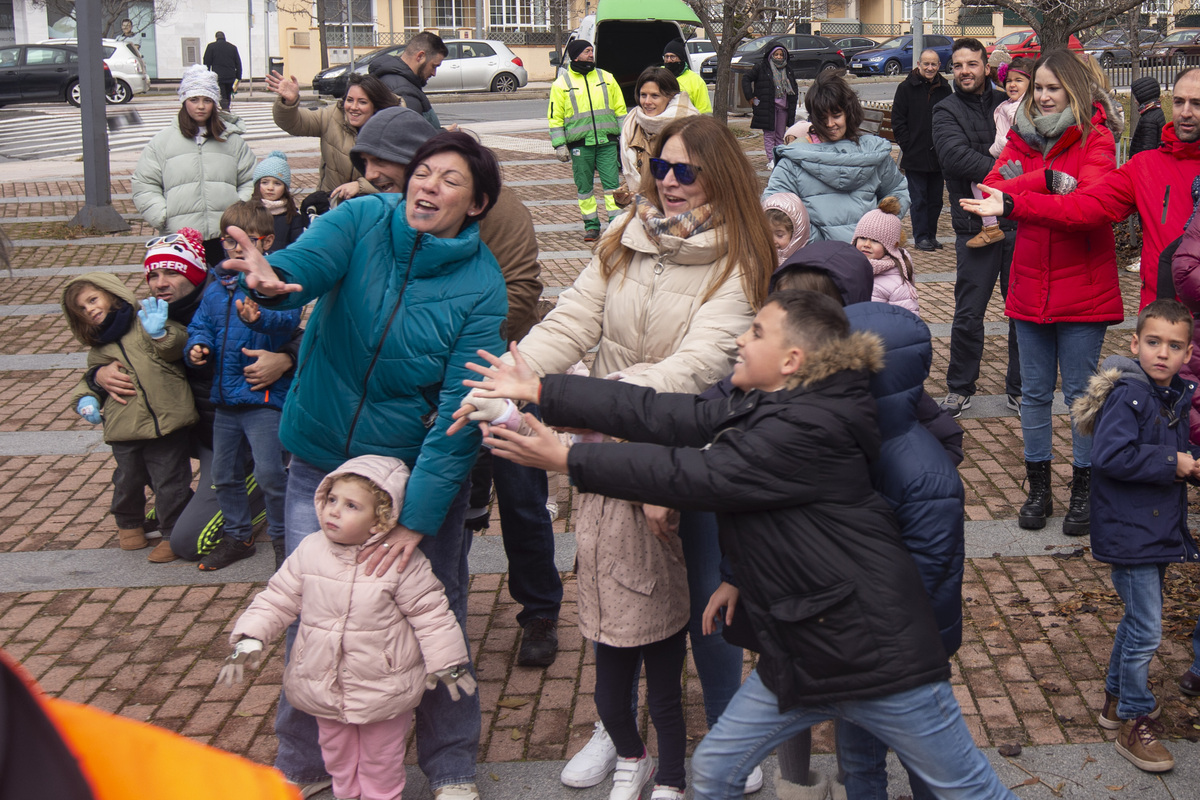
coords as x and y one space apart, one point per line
100 626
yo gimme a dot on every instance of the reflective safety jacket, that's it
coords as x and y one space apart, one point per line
585 109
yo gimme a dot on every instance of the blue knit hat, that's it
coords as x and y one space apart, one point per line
274 166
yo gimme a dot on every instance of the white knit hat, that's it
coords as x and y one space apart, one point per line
197 81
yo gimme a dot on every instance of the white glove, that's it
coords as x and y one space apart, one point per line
564 155
455 678
246 653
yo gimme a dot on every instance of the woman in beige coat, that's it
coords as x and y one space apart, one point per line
336 125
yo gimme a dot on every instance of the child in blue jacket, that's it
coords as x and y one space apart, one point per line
1137 414
225 326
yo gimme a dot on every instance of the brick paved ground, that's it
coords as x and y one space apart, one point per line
1037 628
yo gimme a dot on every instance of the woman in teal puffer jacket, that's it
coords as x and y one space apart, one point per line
838 172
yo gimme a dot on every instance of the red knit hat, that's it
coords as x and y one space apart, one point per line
182 252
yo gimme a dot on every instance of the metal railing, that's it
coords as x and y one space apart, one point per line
1122 75
956 31
879 30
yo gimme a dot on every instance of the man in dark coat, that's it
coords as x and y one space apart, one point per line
222 57
407 75
912 124
963 131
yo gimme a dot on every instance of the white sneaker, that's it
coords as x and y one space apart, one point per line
666 793
754 781
456 791
592 764
631 776
552 510
771 164
1136 266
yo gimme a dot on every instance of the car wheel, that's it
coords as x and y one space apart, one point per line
1108 61
504 82
74 95
122 94
892 67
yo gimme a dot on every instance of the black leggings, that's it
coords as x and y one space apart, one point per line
616 672
201 524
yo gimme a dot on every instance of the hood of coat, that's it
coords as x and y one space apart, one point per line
1176 148
845 265
1113 119
394 65
845 166
1115 369
389 474
859 351
908 354
698 249
775 44
106 281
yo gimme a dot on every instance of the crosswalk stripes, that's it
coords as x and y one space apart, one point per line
57 133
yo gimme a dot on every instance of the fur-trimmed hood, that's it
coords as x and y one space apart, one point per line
858 351
1086 408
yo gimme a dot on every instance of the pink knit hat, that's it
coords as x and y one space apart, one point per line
182 251
882 226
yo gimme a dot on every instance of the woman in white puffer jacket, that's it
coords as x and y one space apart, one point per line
196 167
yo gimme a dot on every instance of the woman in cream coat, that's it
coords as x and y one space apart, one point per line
660 102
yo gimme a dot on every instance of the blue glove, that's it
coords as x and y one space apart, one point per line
88 408
1011 169
154 317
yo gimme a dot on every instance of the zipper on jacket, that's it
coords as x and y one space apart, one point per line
1166 200
133 372
224 348
383 338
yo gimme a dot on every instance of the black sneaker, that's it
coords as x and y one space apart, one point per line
539 643
956 403
277 546
226 552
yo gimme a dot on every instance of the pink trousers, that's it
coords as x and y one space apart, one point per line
365 761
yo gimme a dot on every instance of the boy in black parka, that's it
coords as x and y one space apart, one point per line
834 599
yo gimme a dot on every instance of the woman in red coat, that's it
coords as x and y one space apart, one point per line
1063 292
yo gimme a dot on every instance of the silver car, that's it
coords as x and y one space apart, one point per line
125 62
478 65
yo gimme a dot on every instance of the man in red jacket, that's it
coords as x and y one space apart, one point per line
1155 183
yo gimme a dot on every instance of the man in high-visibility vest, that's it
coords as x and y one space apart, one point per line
586 107
675 60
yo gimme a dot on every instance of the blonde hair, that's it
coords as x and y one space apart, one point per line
86 331
383 500
732 188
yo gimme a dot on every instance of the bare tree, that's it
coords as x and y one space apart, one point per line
113 11
1055 20
315 11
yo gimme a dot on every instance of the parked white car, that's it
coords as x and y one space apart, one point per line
124 60
698 50
478 65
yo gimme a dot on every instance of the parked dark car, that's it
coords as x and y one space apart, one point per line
851 46
37 72
895 56
333 80
808 56
1179 49
1112 47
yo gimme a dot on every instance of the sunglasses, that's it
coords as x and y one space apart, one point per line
229 243
170 238
684 173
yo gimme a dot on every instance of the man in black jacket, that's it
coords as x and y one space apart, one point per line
963 130
222 57
407 75
912 124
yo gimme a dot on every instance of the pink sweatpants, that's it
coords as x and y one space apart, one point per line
365 761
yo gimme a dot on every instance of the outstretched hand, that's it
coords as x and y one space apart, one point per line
259 275
992 204
541 449
516 381
286 88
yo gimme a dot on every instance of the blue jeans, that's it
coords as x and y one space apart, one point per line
1138 636
863 758
1072 348
528 536
447 732
923 725
235 430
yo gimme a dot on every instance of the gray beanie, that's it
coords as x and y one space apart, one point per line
393 134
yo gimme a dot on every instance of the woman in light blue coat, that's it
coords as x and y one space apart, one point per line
838 172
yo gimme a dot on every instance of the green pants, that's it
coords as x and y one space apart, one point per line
586 161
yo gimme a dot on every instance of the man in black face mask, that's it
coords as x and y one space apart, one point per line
675 60
586 107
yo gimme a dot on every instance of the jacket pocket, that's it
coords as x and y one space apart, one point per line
825 631
632 577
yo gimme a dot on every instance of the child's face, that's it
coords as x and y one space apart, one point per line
1016 85
1161 348
765 358
94 304
348 516
869 247
781 236
271 188
262 242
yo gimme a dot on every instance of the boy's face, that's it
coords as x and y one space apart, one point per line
765 358
262 243
1161 348
348 516
94 304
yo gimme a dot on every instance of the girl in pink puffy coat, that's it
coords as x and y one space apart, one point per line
369 646
879 237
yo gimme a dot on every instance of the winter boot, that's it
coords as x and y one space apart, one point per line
132 538
1040 503
1076 523
989 235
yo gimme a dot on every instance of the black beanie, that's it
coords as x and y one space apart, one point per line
1146 89
576 47
676 46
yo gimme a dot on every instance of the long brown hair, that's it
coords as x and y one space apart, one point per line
732 188
86 331
213 128
1075 78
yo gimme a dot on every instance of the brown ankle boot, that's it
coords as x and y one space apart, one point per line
989 235
162 553
132 538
